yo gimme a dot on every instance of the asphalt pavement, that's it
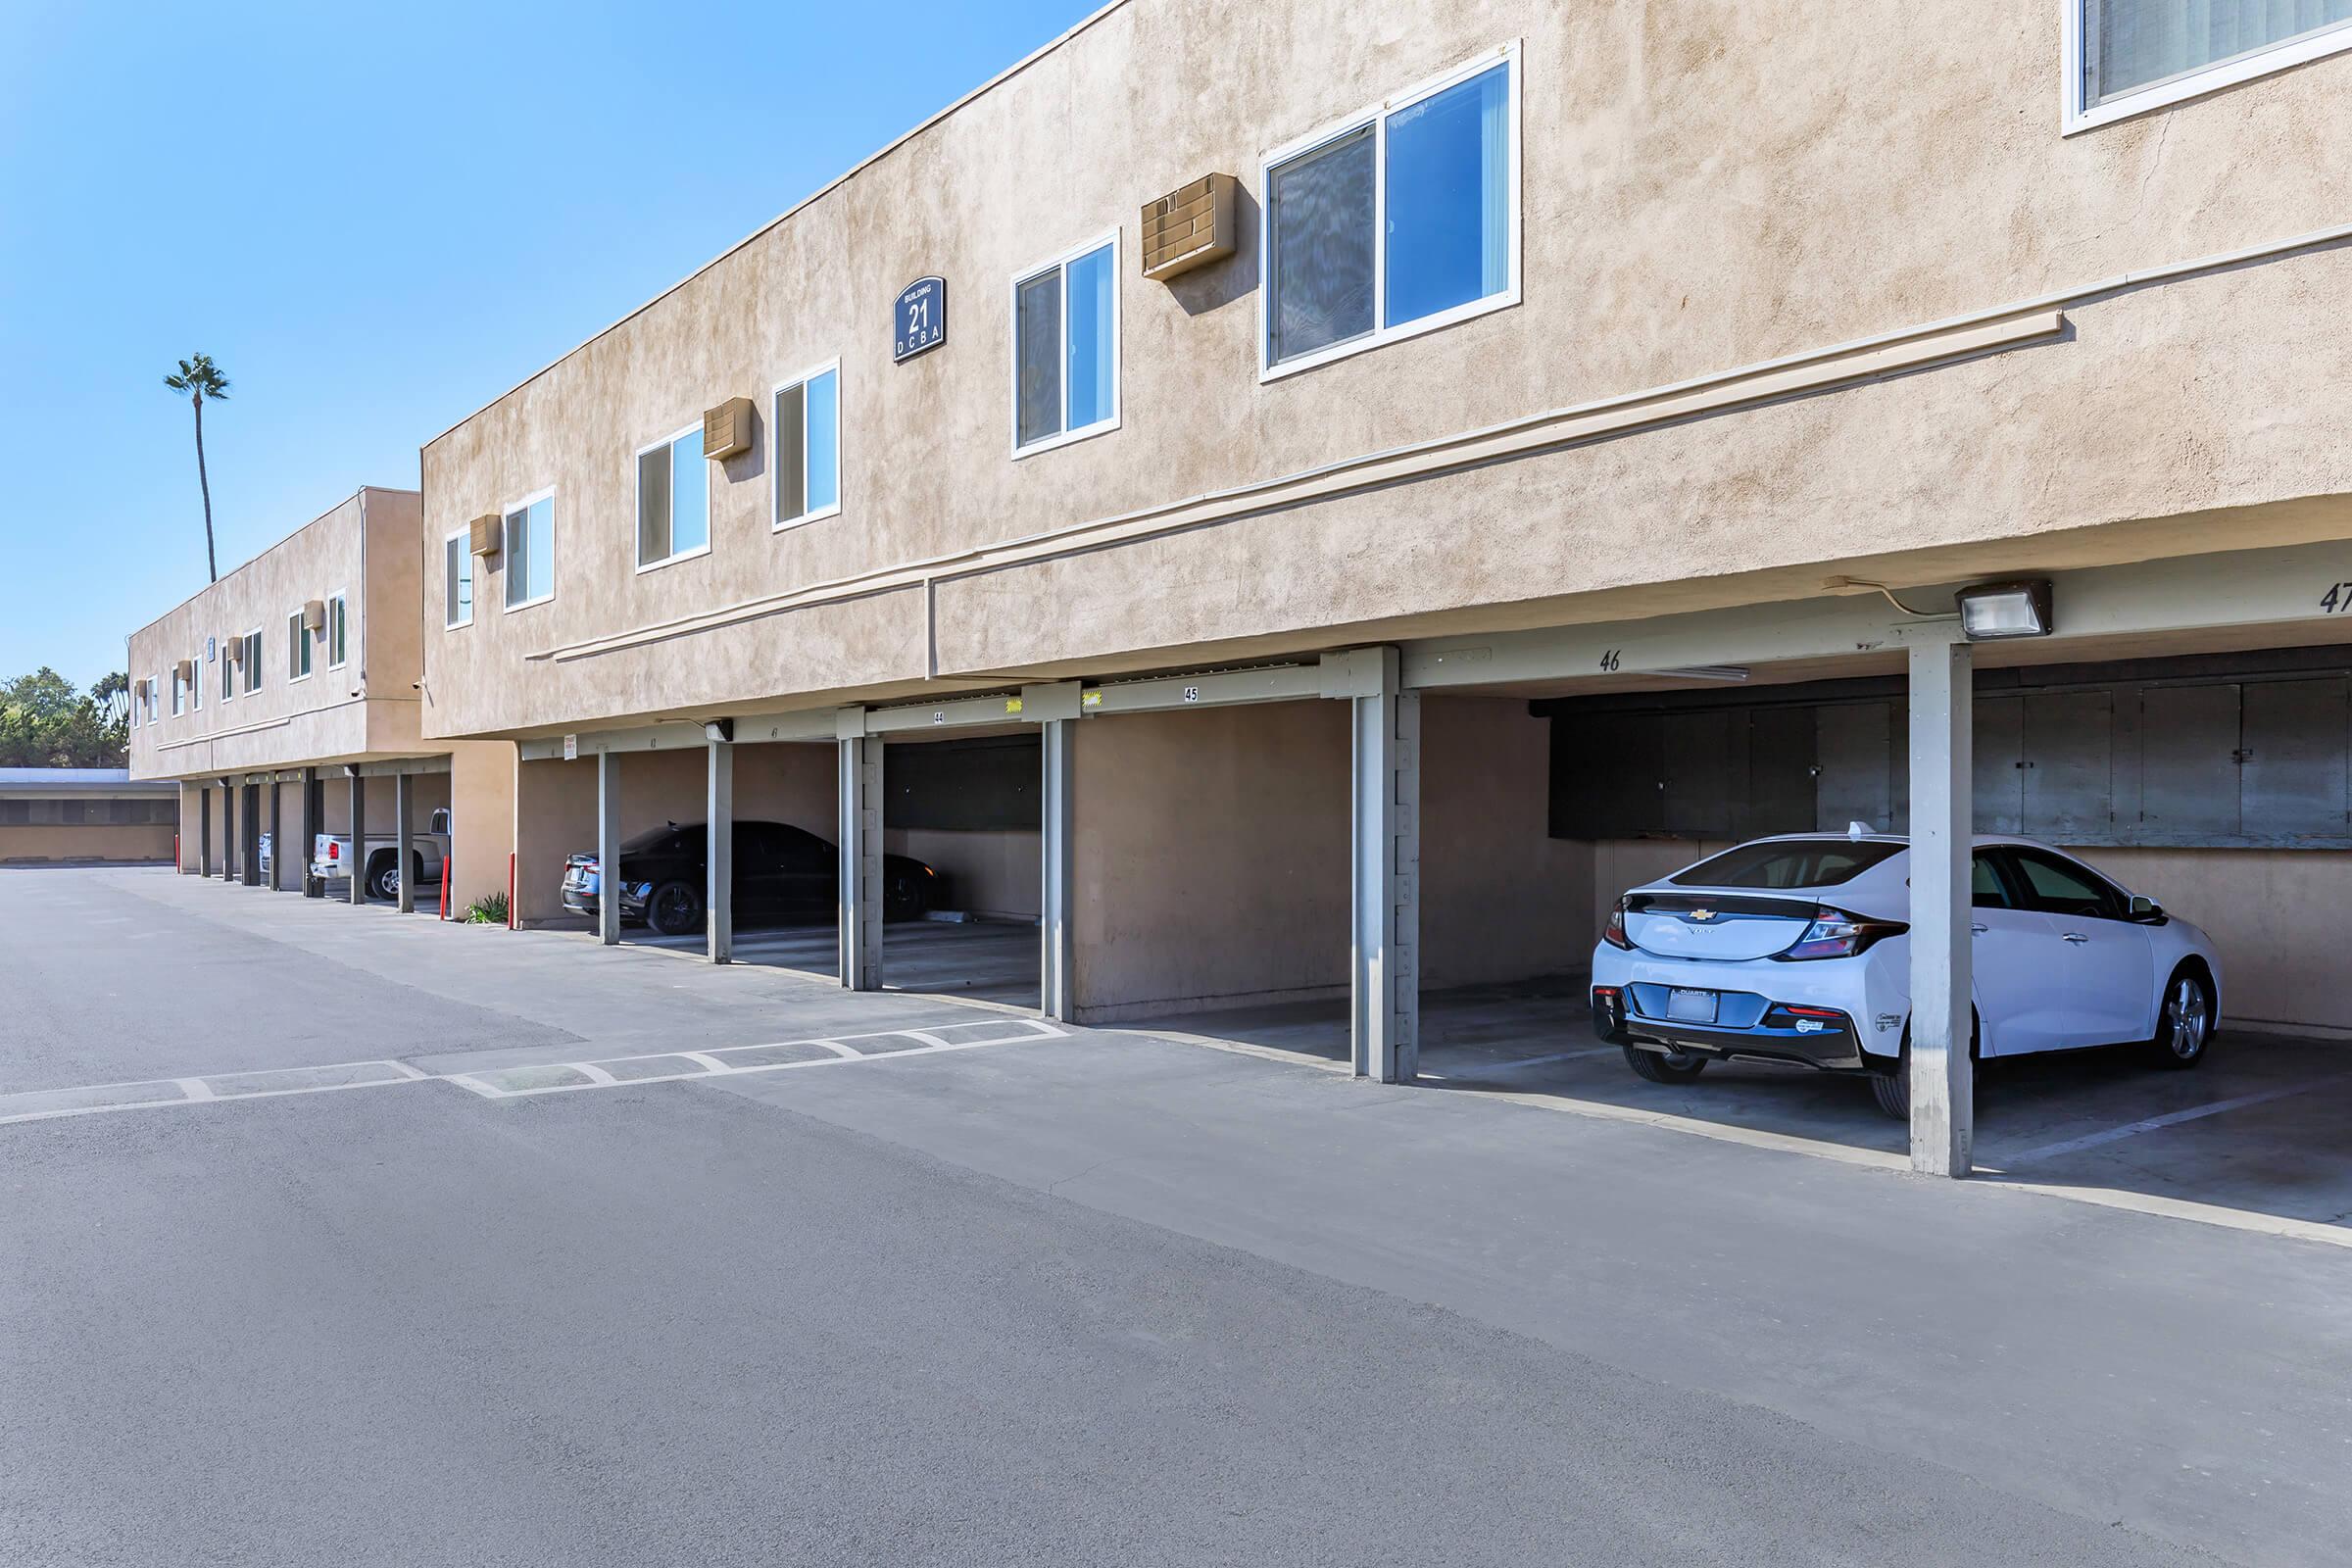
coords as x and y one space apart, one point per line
1077 1297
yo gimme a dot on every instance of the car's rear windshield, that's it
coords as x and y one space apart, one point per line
1788 863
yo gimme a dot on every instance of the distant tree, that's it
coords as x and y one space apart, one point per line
200 379
44 723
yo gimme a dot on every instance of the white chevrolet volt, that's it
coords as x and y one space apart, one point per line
1797 950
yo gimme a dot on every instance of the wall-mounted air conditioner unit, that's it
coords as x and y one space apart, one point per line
727 429
1190 226
487 537
313 615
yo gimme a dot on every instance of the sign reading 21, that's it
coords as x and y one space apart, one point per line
920 320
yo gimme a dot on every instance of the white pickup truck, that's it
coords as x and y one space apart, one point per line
333 859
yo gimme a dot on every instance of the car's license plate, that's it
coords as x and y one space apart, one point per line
1690 1007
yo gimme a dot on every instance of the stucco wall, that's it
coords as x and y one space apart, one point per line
27 844
1210 856
997 872
1701 190
364 549
481 789
1501 898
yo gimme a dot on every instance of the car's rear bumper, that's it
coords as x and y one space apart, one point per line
1824 1044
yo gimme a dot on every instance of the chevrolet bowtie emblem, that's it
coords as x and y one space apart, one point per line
1702 914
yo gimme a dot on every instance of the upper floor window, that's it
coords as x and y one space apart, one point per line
530 549
229 673
179 692
806 421
457 579
1066 358
338 631
298 648
673 500
252 660
1401 220
196 683
2126 56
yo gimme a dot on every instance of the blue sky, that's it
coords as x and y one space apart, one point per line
376 219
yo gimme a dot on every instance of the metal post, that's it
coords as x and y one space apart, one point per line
277 834
1056 979
860 873
404 848
607 848
718 897
228 830
249 847
1943 1076
1384 979
357 864
312 799
204 831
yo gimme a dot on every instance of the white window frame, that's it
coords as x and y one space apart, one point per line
256 647
137 698
1013 300
196 683
506 523
464 533
341 597
1377 116
296 629
180 693
775 438
2076 114
228 675
637 511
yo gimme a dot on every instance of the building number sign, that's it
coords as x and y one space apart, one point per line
919 320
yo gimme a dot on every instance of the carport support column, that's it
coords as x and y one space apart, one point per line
356 867
1943 812
204 831
1384 977
311 800
718 897
249 840
607 848
404 862
1056 708
228 830
861 876
277 835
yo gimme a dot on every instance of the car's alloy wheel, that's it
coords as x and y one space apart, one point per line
674 911
2186 1024
384 881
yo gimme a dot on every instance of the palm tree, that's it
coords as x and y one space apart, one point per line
200 378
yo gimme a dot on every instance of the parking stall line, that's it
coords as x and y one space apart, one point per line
2114 1135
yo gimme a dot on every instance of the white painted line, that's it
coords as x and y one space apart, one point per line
2236 1219
708 1061
595 1074
2151 1124
407 1071
194 1088
767 1066
207 1099
835 1047
467 1081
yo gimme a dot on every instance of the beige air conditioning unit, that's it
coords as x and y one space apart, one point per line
1190 226
313 615
236 649
727 429
487 537
184 670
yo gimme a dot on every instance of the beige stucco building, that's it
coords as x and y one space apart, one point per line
84 815
287 693
1388 478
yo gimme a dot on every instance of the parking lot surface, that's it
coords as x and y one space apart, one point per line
528 1252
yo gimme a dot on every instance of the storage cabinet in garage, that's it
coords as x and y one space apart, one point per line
2154 755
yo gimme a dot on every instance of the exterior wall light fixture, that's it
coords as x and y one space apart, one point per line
1995 610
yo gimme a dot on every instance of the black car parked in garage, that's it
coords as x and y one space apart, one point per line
781 872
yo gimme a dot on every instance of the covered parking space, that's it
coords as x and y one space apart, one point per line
2183 728
401 806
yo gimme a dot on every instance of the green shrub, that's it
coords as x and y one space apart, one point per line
488 910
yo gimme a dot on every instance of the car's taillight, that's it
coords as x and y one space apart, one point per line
334 852
1614 932
1836 934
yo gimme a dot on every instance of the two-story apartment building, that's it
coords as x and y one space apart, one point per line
1306 501
285 699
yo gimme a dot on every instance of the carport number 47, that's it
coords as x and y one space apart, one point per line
2336 600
